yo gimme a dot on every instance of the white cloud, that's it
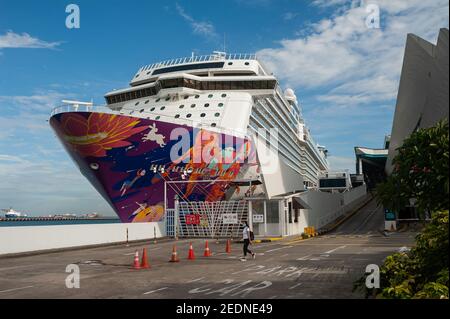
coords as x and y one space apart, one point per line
352 63
339 163
202 28
24 40
289 16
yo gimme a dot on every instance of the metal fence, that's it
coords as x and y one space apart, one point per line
206 219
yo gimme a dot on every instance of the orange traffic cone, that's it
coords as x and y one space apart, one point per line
144 262
136 261
207 252
174 258
191 255
228 248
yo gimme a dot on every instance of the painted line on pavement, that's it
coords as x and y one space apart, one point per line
294 286
304 257
275 249
15 289
194 280
152 291
333 250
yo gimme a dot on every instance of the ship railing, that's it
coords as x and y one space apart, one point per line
199 58
70 108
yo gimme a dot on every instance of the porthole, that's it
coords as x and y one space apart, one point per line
220 105
203 115
217 114
213 124
162 108
210 96
230 63
157 100
177 116
136 104
94 166
207 105
152 109
224 95
189 115
193 105
168 98
247 63
158 117
146 102
181 106
197 96
142 110
186 97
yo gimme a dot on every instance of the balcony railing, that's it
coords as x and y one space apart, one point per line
69 108
200 58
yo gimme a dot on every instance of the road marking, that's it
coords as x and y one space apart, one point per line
304 257
333 250
152 291
294 286
194 280
275 249
15 289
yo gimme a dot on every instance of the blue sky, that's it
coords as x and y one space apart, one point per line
345 74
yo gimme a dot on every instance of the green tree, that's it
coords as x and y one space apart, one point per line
420 172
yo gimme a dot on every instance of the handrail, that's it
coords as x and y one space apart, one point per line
68 108
199 58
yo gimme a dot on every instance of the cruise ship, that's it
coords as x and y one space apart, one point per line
191 128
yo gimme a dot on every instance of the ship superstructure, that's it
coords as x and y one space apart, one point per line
130 148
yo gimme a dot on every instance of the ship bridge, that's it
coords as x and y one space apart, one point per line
218 63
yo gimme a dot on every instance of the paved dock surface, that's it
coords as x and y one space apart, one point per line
320 267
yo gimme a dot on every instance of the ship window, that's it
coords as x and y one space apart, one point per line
220 105
204 86
224 95
230 63
207 105
186 97
197 96
193 105
136 104
189 115
177 116
158 117
146 102
226 85
168 98
219 85
217 114
142 110
210 96
162 108
213 124
152 109
203 115
247 63
157 100
181 106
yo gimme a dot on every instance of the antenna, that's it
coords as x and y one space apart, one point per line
224 42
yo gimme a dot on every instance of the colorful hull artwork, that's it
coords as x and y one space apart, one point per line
128 160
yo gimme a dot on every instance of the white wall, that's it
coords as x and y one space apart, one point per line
325 208
35 238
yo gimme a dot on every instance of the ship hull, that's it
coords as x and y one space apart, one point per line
139 165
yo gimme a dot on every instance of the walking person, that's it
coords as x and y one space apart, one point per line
247 237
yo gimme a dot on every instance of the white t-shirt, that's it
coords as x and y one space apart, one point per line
245 232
